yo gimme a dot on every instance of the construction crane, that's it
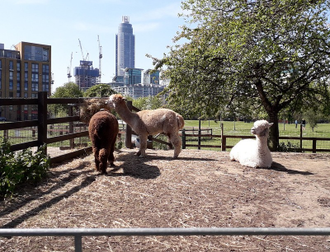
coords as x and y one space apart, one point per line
69 68
100 57
82 52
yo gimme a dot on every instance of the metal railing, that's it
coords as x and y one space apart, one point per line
78 233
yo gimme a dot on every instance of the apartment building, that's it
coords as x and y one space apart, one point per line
25 70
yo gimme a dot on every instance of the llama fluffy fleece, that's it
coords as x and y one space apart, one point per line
150 122
254 153
103 129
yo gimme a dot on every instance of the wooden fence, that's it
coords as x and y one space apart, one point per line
224 138
43 121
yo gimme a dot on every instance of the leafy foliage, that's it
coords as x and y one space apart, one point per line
68 90
20 167
100 90
247 56
288 147
150 102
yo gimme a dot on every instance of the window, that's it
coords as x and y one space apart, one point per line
45 68
18 66
18 86
35 68
45 87
35 77
11 85
11 65
45 78
26 85
34 86
26 66
37 53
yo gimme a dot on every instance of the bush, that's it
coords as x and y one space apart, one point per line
20 167
288 147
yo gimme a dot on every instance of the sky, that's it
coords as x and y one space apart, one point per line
62 23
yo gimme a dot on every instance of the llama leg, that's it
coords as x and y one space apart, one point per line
176 141
111 156
96 159
103 156
143 146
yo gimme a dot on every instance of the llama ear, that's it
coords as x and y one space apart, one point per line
270 125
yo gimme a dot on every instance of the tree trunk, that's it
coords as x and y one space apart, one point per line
274 132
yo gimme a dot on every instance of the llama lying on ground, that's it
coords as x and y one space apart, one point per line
254 153
103 130
150 122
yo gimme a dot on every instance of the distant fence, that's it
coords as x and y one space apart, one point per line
224 146
77 233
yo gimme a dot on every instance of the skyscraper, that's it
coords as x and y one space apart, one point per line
125 47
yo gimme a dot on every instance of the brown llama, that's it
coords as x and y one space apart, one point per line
150 122
103 130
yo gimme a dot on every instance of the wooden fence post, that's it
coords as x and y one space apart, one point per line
301 134
71 126
314 145
42 118
223 139
128 139
199 134
183 135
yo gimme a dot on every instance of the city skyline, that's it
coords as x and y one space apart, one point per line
61 23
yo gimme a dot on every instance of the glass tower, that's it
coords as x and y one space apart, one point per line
125 47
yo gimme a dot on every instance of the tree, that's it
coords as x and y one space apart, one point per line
150 102
257 54
69 90
100 90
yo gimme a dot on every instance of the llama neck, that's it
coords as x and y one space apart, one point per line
262 143
125 114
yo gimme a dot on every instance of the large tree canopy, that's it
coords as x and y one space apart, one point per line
245 55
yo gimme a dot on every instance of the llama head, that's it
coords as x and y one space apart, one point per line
115 100
261 128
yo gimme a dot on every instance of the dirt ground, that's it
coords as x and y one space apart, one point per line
200 189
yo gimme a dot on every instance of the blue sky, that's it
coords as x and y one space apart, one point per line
60 23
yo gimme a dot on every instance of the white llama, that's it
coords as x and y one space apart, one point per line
254 153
